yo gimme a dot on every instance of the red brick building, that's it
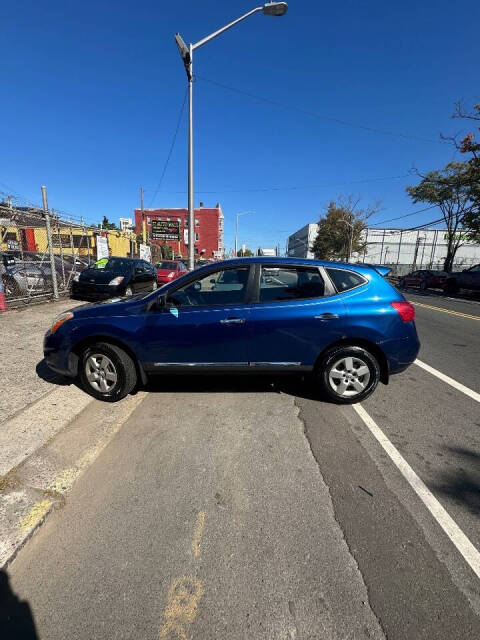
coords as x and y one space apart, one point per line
208 229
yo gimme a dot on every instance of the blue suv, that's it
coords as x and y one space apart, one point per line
343 323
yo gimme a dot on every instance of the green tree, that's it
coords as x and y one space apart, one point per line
451 190
106 224
340 230
470 146
244 254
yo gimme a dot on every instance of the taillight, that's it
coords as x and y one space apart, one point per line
405 310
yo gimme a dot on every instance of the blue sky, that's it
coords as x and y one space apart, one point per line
92 92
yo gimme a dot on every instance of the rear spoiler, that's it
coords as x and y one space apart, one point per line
380 268
383 271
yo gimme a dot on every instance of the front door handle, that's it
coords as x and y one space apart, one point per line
232 321
327 316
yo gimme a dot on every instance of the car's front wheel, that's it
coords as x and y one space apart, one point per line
348 374
107 372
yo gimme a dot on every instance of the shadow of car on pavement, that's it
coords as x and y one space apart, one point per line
43 371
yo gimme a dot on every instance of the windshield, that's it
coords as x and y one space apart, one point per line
166 265
113 264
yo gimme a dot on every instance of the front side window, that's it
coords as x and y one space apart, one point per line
224 287
290 283
345 280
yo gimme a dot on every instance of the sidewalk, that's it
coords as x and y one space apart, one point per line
21 340
50 430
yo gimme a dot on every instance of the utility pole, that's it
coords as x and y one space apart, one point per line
186 53
417 244
144 226
49 241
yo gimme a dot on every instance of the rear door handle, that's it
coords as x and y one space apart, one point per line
232 321
327 316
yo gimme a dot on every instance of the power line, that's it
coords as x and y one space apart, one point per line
171 148
406 215
313 114
296 187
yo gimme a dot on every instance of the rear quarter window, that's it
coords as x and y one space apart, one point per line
345 280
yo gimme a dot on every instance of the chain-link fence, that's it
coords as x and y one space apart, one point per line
41 254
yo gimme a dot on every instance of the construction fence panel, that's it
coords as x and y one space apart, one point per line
28 250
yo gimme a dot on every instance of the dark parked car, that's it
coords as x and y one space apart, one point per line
169 270
117 277
344 324
466 279
425 279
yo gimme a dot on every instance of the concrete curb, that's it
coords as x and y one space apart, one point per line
30 491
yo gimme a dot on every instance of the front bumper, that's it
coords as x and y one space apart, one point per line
58 358
94 291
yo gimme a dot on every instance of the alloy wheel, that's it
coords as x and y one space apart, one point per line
101 372
349 376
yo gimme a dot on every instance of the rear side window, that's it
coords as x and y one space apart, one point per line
290 283
345 280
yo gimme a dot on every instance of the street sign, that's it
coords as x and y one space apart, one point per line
165 230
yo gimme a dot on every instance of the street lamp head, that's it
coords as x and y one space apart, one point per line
275 8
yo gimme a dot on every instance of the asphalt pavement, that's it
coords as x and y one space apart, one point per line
237 508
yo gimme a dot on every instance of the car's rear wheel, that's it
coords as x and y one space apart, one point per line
451 288
107 372
348 374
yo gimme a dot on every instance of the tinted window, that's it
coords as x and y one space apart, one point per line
218 288
475 269
345 280
290 283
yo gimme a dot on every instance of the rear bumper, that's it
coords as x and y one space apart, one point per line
401 352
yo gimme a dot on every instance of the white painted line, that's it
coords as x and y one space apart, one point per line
453 531
453 383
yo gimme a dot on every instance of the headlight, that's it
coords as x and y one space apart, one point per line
116 281
171 274
76 277
59 320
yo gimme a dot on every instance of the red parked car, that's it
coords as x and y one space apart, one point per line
169 270
425 279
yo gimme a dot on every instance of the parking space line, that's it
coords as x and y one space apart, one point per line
469 552
443 310
453 383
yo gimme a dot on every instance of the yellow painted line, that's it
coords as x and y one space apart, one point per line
197 535
453 313
35 515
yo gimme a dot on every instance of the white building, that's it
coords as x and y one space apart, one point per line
422 248
125 224
300 243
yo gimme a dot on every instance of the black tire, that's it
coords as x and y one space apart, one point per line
122 364
451 288
401 283
361 358
10 287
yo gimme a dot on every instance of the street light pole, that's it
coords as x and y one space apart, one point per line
186 53
237 215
